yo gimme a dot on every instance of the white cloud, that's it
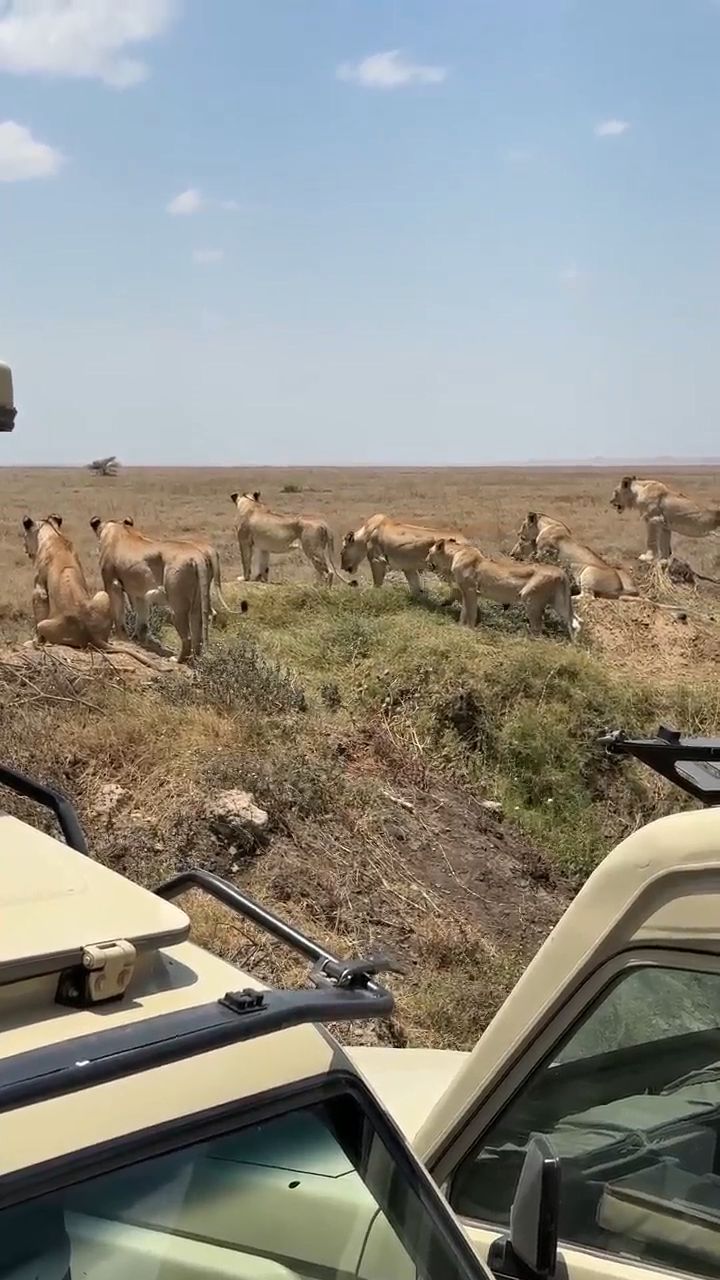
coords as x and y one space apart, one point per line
207 257
80 38
186 202
389 70
572 276
193 200
22 156
611 128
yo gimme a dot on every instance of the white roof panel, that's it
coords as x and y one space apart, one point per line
54 902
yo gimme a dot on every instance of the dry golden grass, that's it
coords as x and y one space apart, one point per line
368 725
486 503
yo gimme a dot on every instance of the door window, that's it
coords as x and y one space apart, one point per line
631 1104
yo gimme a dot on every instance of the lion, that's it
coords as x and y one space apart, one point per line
665 511
594 575
535 586
390 544
212 557
63 608
156 571
271 533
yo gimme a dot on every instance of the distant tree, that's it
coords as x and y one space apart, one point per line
104 466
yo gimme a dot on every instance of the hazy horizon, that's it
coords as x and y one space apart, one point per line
539 464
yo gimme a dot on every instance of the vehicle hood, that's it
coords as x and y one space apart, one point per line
408 1082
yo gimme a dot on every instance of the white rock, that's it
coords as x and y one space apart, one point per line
236 813
492 806
109 797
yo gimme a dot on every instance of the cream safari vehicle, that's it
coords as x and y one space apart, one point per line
164 1116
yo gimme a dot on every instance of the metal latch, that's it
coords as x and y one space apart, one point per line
352 973
104 974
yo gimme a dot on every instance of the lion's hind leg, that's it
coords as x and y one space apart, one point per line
63 629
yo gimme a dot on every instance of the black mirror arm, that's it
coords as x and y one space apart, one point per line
505 1264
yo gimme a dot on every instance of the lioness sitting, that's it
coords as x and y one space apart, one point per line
64 611
151 570
593 575
390 544
535 586
665 511
273 534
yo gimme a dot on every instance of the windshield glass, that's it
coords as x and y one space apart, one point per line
314 1192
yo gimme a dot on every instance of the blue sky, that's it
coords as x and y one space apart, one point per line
360 231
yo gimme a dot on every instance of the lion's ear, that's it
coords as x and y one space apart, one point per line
626 482
350 537
256 495
129 522
28 523
56 519
532 516
234 497
440 545
95 523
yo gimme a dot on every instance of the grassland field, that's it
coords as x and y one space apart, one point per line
372 728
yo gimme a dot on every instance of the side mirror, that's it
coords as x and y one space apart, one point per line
7 403
529 1252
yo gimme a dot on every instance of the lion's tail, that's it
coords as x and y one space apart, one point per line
214 559
333 568
203 574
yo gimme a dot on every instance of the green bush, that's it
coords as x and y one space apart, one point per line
237 675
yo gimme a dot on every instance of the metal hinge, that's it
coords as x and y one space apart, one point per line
104 974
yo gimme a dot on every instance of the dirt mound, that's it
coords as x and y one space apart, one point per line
80 665
479 866
663 644
452 892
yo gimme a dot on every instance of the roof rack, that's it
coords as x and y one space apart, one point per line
50 799
327 969
118 1052
692 764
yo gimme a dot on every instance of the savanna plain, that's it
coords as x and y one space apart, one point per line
432 792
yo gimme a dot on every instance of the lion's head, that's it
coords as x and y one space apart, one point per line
526 537
440 555
351 553
252 498
31 532
623 495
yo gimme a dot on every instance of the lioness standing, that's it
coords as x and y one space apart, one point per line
212 558
151 570
272 534
392 544
535 586
665 511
